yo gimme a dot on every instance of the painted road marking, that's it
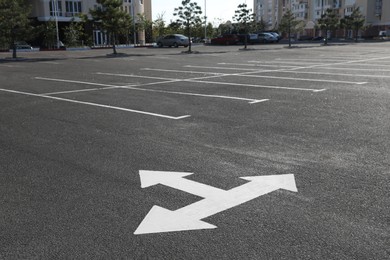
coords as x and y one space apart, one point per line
160 220
185 71
303 79
335 74
131 87
222 68
96 105
201 80
77 91
256 86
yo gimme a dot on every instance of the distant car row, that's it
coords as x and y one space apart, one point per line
231 39
176 40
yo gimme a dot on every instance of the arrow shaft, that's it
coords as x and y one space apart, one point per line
232 198
195 188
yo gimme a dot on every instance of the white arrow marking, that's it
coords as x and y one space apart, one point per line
215 200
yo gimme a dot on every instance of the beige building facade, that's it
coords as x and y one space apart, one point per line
376 12
65 11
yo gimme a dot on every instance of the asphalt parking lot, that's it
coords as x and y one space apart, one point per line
270 153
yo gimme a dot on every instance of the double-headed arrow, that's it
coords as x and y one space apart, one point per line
215 200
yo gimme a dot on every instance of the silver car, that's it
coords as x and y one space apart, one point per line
174 40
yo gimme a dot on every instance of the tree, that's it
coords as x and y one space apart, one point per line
73 33
112 19
244 17
328 22
159 26
290 25
258 26
14 23
354 22
189 15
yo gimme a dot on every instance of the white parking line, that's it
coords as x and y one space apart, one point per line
303 79
250 100
256 65
185 71
76 91
202 80
336 74
222 68
96 105
76 81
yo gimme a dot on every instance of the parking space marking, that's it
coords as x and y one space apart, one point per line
202 80
185 71
75 81
352 69
76 91
337 74
136 76
222 68
132 87
303 79
257 65
256 86
96 104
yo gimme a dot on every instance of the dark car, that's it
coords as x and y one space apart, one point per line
174 40
21 45
226 39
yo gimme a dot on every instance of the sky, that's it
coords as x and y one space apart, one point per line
217 11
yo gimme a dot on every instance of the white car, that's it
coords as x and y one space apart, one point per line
267 38
174 40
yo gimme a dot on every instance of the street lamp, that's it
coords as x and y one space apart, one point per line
134 33
55 10
205 22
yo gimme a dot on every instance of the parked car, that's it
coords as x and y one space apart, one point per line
21 45
267 38
174 40
226 39
276 35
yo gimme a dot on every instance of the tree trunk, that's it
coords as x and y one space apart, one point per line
189 39
113 43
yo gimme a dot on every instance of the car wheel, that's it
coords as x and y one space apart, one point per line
175 45
160 45
227 43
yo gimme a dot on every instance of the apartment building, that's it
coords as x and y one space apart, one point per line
66 11
376 12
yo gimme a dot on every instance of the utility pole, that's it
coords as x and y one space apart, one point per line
55 10
205 22
135 33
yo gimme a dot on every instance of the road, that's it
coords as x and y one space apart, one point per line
269 153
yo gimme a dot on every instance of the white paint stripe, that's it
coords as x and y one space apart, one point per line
255 86
76 81
336 74
185 71
256 65
201 80
352 69
199 95
303 79
96 105
154 90
222 68
76 91
135 76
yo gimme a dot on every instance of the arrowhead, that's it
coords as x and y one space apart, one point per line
283 181
160 220
151 178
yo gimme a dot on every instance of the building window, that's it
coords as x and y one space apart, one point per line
55 8
73 8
